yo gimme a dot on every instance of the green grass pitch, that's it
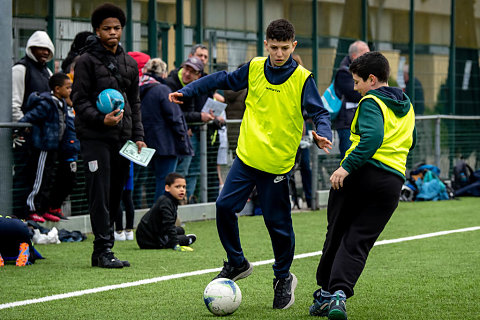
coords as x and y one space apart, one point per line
432 278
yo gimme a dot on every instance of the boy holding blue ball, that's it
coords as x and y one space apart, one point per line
106 65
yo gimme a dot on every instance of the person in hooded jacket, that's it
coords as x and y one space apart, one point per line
366 187
105 64
29 74
164 123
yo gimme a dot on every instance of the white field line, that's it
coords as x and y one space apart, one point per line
200 272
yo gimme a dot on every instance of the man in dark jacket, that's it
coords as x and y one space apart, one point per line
350 98
105 64
190 71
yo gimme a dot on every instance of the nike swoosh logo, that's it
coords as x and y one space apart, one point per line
278 179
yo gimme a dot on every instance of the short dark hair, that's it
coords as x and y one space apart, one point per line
196 47
105 11
371 63
171 177
281 30
57 80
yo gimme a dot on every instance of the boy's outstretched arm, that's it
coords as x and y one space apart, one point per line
175 97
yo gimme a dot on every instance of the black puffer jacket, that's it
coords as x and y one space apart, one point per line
91 77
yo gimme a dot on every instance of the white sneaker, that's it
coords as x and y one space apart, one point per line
128 234
119 235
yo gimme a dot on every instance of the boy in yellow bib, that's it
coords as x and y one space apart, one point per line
366 187
278 91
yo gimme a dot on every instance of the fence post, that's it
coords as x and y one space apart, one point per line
6 107
314 153
437 142
203 163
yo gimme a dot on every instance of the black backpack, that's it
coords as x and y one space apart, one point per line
462 175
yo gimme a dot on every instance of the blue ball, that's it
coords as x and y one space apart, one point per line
109 100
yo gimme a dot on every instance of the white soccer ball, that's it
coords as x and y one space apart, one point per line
222 296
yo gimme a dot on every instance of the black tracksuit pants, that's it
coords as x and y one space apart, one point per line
106 172
356 214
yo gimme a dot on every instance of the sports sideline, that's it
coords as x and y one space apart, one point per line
205 271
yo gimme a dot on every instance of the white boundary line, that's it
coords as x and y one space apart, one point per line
200 272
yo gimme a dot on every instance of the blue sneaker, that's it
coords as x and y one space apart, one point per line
321 302
337 307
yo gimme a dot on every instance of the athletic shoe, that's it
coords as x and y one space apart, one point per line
35 217
108 260
337 307
120 236
321 302
284 291
2 263
57 213
95 262
128 235
23 255
191 238
235 273
50 217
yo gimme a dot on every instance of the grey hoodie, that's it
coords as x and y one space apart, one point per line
37 39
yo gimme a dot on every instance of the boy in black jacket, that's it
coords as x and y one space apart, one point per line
157 228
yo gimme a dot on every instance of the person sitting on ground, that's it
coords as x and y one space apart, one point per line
157 228
15 242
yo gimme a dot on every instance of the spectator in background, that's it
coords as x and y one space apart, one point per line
419 102
29 74
157 229
122 234
303 152
48 111
350 98
143 184
164 123
103 65
190 71
75 50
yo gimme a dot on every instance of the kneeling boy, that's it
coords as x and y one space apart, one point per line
157 228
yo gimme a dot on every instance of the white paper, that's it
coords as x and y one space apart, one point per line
130 151
216 106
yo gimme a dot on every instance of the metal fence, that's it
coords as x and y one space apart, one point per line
441 140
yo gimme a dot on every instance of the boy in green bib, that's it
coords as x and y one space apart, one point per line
366 187
278 91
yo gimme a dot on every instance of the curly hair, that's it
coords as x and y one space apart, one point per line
105 11
281 30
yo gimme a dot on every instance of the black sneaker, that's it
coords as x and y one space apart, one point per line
235 273
102 261
337 307
284 292
191 238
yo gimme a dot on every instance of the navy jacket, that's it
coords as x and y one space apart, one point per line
163 122
344 90
238 80
44 117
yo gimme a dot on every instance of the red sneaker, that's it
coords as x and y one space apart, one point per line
35 217
22 259
51 217
57 213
